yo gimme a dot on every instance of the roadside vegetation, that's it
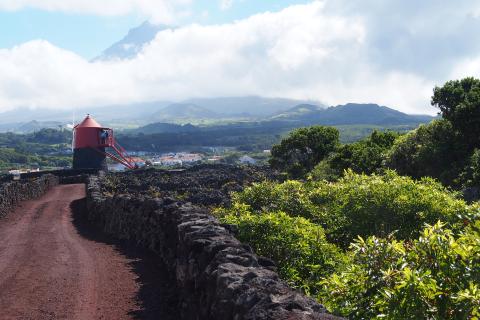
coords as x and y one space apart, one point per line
379 228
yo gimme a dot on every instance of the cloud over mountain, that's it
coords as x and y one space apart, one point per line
333 51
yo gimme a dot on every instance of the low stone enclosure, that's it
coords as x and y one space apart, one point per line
12 192
215 276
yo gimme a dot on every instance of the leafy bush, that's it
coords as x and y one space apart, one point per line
434 277
360 205
298 246
291 197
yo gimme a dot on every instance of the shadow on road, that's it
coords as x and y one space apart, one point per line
157 294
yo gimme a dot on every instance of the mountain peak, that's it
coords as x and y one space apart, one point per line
132 43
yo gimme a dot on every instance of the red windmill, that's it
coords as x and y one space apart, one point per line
90 141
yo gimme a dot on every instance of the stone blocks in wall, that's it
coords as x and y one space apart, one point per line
216 276
11 193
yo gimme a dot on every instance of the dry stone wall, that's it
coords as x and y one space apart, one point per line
11 193
215 275
69 176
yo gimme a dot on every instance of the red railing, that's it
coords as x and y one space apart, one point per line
108 141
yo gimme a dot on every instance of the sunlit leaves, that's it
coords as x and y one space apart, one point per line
433 277
298 246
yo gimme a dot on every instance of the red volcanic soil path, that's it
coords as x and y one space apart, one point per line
54 266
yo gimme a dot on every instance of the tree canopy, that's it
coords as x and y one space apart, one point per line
303 149
459 103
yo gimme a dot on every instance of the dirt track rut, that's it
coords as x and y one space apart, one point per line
52 267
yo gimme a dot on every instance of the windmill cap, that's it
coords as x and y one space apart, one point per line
88 122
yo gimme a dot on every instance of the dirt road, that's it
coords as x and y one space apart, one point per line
54 266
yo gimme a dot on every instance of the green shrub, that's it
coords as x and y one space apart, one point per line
324 172
298 246
434 277
361 205
291 197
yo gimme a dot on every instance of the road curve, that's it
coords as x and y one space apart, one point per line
50 270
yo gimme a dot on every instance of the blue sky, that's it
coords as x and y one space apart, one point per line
89 34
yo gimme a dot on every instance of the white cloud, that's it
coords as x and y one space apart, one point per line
158 11
226 4
312 51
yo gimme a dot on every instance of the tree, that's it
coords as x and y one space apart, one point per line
434 150
303 149
364 156
459 103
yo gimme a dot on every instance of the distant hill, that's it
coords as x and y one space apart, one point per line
31 126
183 111
349 114
136 114
353 120
38 125
213 109
252 106
298 112
161 127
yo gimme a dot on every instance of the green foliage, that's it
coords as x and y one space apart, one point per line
360 205
433 150
471 174
8 155
391 275
354 133
44 136
459 103
303 149
416 249
50 136
434 277
297 246
364 156
292 197
245 136
324 171
442 149
42 148
475 167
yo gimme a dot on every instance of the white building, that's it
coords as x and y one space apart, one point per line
247 160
